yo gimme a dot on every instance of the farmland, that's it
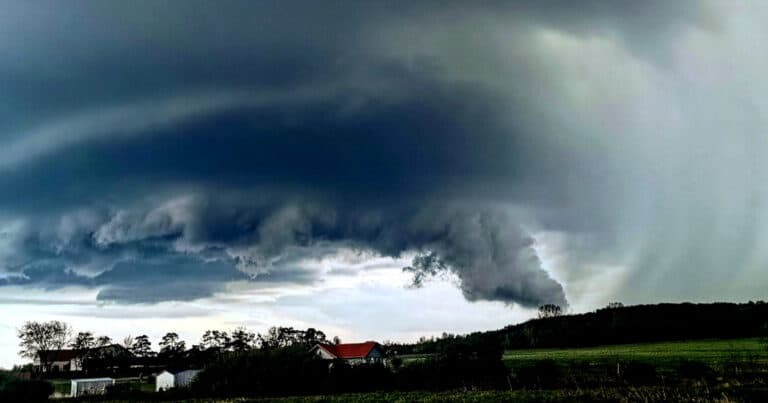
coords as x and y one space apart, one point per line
733 370
715 353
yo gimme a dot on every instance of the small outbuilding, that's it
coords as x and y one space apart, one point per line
90 386
172 378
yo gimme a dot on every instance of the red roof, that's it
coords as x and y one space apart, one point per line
350 350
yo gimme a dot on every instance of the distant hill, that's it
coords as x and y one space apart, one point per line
618 325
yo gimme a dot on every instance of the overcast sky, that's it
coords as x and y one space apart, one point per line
181 166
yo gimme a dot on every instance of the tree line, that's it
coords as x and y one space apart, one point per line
100 354
617 324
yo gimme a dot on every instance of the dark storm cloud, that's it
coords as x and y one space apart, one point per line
158 150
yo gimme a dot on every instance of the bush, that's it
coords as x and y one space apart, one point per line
697 370
638 373
17 390
541 374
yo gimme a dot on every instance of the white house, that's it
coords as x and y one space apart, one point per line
352 353
169 379
90 386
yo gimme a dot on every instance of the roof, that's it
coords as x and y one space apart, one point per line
93 380
59 355
176 371
69 354
349 350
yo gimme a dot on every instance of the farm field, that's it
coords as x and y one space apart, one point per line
586 374
647 394
712 352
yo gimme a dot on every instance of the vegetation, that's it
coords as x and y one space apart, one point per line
553 358
39 338
712 352
618 324
15 389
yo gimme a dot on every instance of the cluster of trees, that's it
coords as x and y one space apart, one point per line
292 369
99 354
619 324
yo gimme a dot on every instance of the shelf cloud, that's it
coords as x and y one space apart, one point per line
162 151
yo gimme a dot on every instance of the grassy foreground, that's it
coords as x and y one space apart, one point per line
715 353
638 394
734 371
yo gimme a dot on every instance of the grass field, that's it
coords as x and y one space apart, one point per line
713 352
642 394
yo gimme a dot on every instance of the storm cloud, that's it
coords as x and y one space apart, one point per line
160 151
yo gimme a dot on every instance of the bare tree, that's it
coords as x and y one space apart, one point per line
39 339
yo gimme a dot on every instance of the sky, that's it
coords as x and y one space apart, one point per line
377 170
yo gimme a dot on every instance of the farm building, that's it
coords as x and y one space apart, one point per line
171 378
59 360
91 386
352 353
68 360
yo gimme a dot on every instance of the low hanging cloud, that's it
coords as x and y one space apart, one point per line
189 150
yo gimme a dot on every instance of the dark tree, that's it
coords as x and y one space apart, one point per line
241 340
171 345
312 336
215 341
39 338
279 337
82 344
142 347
550 311
103 341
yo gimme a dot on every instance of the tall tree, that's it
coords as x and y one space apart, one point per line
141 346
38 339
215 341
82 344
241 340
550 311
171 345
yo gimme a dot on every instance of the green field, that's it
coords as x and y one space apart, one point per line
713 352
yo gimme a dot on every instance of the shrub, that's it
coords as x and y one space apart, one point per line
697 370
17 390
541 374
638 373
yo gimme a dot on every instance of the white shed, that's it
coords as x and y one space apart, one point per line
90 386
175 379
